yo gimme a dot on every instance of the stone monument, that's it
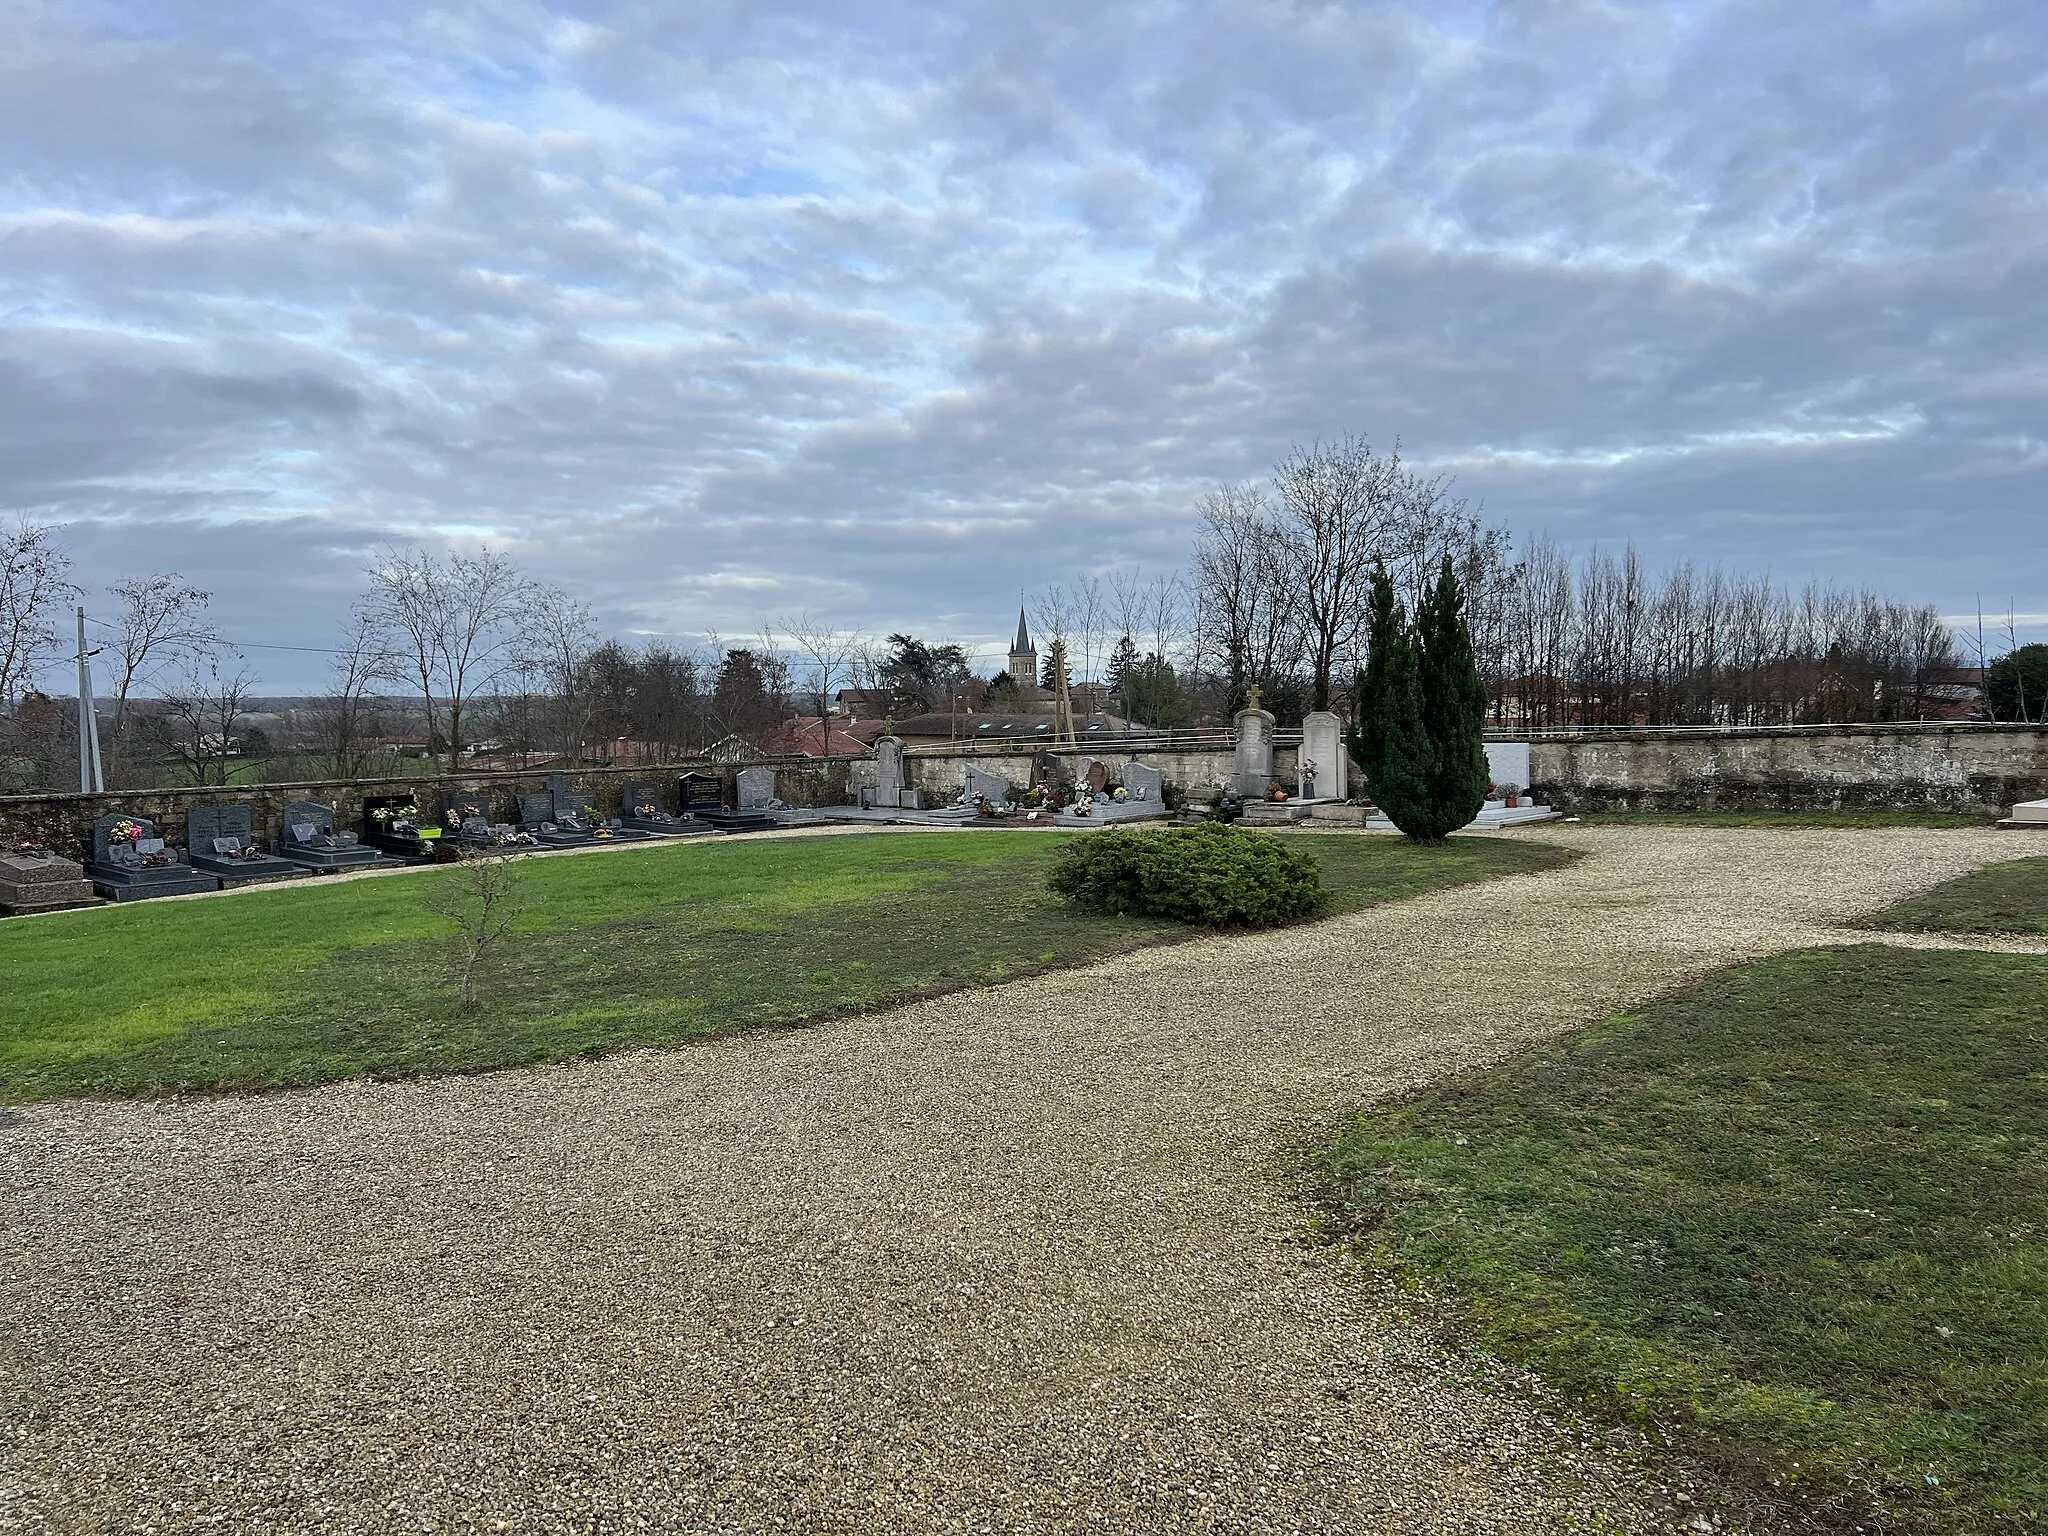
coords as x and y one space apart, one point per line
992 787
1143 782
32 879
891 793
756 788
1252 769
1322 745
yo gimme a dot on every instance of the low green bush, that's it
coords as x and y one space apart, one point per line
1211 874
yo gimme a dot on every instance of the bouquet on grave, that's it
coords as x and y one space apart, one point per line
124 831
29 848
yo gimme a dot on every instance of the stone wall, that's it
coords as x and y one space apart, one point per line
65 821
1973 768
1846 767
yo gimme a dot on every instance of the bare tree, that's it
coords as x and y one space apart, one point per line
557 639
346 726
480 896
1338 507
1242 582
827 654
35 579
454 624
162 624
202 710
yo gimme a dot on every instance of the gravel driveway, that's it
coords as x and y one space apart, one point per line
1014 1259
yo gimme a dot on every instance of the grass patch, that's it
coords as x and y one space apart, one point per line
634 947
1797 1215
2000 898
1943 820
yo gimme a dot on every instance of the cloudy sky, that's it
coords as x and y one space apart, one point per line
720 311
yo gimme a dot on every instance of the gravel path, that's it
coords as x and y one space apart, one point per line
1009 1260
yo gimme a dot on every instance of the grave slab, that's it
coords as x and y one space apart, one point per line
129 862
311 841
32 879
220 841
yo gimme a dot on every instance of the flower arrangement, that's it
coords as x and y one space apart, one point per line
124 831
29 848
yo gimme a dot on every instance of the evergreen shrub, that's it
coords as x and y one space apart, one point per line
1211 874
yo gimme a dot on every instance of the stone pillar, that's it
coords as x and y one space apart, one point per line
1252 768
1322 743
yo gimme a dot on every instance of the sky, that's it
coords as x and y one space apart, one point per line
719 312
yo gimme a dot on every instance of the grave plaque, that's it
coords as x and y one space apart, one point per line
1097 776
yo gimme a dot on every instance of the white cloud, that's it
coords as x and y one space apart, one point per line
714 310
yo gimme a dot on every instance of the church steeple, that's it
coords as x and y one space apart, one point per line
1024 665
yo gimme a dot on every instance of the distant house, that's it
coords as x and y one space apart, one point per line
733 749
810 736
856 703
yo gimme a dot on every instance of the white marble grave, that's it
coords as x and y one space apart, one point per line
1322 743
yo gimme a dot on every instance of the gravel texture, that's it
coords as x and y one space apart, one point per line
1017 1259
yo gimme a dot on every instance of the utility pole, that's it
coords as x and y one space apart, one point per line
90 779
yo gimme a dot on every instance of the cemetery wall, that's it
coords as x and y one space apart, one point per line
1846 767
65 821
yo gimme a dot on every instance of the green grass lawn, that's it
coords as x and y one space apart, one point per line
2000 898
1796 1215
1801 819
644 946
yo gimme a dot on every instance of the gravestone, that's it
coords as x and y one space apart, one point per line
310 840
537 818
129 862
1252 766
32 879
640 809
992 787
889 790
1096 776
220 841
703 797
756 788
700 792
394 825
1322 743
1143 782
1507 762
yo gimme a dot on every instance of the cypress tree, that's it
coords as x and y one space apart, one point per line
1387 736
1453 711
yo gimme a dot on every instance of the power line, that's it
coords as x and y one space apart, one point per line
241 645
